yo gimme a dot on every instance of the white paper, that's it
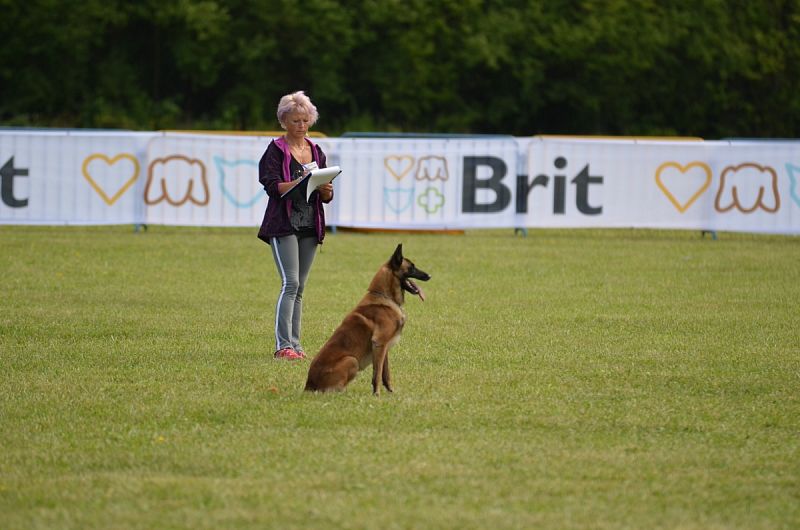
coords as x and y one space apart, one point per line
319 177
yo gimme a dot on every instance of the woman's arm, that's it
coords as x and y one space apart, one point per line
270 171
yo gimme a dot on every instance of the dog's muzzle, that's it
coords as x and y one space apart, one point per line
409 285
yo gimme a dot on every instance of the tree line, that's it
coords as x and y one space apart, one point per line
709 68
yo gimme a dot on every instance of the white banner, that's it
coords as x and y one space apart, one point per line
204 180
74 177
738 186
421 183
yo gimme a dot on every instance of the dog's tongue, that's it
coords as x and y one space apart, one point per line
414 289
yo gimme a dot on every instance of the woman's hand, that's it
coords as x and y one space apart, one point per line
326 192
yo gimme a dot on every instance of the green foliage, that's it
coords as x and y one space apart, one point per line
714 69
568 379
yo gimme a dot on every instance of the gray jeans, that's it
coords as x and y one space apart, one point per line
293 257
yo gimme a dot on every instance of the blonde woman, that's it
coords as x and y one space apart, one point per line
293 229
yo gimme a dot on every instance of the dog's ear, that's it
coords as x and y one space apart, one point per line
397 257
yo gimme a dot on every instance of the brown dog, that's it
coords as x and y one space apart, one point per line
368 331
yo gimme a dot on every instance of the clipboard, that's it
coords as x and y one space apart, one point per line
315 178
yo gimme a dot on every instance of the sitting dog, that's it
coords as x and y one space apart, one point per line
368 331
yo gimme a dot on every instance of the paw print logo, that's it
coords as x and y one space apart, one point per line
431 200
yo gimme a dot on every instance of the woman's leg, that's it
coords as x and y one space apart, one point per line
286 253
307 250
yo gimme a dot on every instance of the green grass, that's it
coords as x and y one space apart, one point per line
568 379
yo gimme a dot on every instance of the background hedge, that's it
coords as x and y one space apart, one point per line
713 68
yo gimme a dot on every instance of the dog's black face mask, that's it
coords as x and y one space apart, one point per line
408 270
410 286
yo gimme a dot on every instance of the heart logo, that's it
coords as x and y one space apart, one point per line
683 185
399 166
99 167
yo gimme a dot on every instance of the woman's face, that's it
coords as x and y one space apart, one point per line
296 124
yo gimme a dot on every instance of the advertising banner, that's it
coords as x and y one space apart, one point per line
736 186
204 180
423 183
439 183
72 178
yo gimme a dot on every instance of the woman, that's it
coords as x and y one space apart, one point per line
292 228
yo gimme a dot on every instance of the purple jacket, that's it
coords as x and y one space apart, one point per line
274 168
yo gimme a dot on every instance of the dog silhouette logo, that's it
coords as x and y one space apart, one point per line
747 188
177 180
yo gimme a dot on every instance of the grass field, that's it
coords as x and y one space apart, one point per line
568 379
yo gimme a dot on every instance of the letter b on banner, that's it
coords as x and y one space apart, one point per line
469 202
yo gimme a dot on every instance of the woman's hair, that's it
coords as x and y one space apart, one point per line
299 102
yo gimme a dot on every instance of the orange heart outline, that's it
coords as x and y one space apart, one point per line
110 161
683 169
401 160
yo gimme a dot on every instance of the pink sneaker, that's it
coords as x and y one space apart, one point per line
288 354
